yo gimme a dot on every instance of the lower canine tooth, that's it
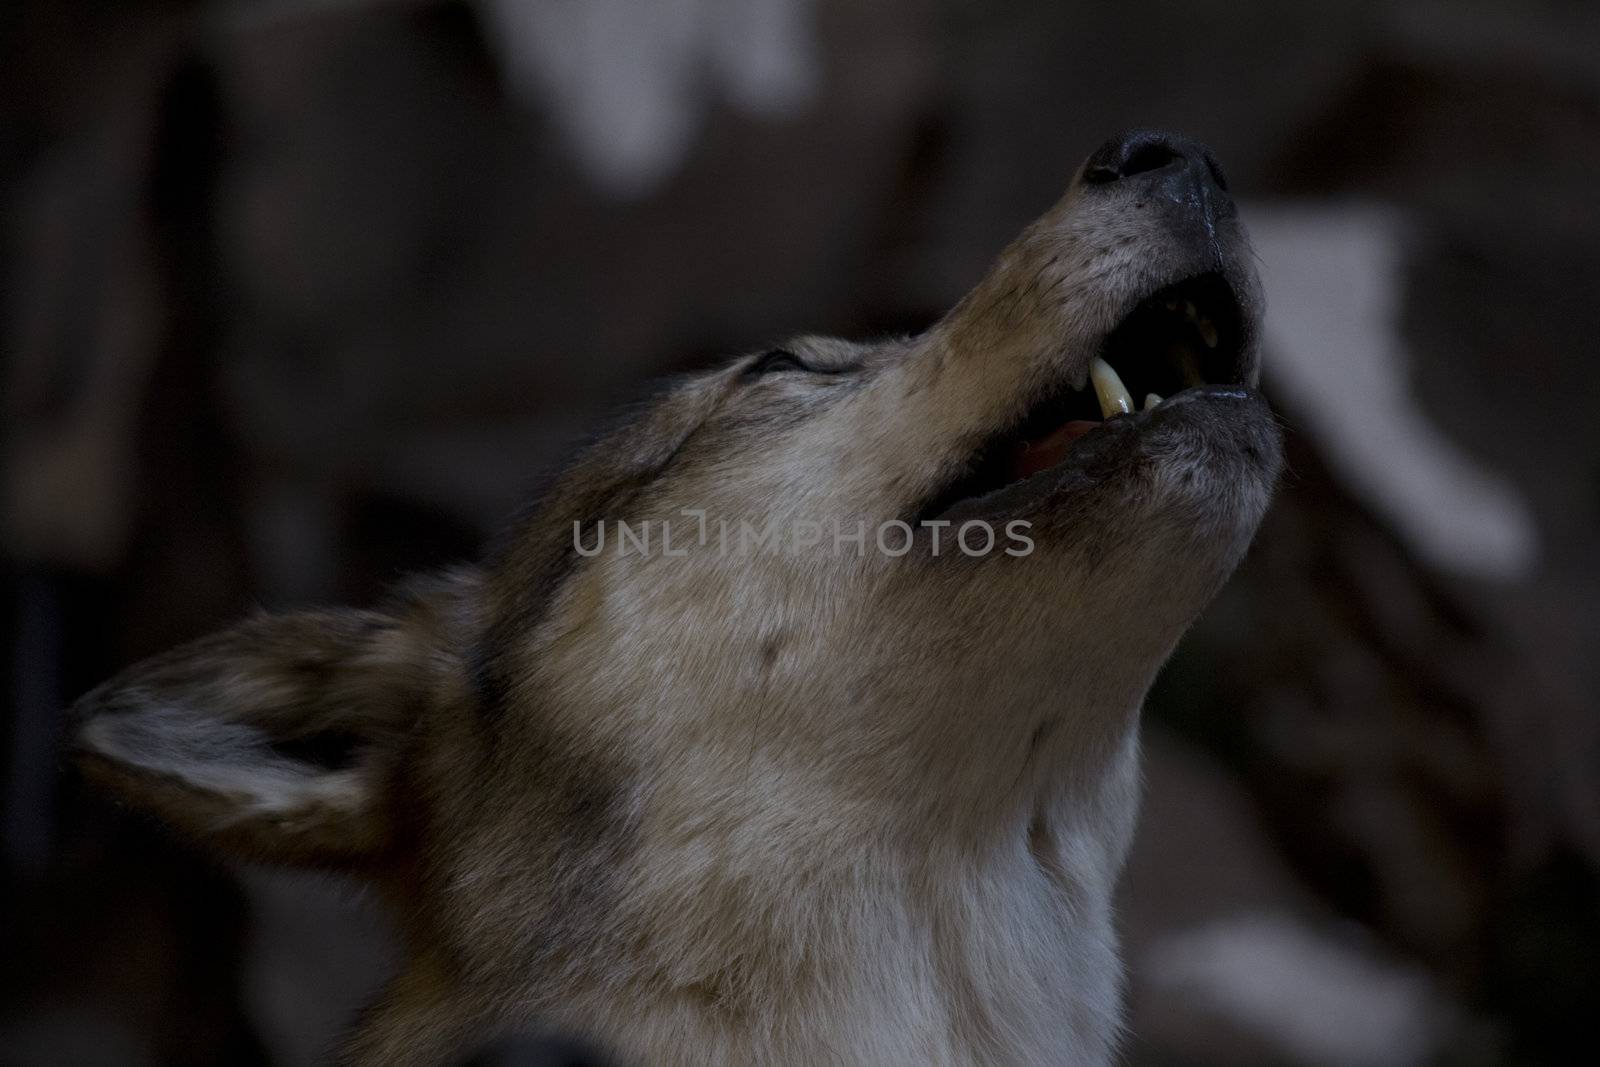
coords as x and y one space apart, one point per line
1150 401
1113 395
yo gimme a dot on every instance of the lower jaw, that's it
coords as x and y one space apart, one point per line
1085 453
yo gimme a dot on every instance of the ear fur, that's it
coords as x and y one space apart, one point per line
275 738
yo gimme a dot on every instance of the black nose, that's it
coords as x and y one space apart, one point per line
1162 164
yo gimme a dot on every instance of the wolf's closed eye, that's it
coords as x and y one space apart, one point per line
776 362
781 360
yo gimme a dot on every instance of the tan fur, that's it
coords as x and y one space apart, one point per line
808 808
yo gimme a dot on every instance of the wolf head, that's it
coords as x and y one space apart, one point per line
797 620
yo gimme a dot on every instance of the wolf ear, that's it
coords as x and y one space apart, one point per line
276 739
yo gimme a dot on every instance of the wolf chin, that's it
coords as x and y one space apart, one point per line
789 807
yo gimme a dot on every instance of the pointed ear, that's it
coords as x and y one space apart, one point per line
276 739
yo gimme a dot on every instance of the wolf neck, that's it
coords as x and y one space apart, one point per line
986 938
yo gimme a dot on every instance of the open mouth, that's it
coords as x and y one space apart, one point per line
1184 336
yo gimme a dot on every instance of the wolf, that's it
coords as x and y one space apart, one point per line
860 798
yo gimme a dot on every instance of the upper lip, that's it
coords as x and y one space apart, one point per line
1188 334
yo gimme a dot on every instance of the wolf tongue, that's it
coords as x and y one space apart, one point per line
1047 451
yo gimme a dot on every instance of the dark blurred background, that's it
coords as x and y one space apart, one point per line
300 296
